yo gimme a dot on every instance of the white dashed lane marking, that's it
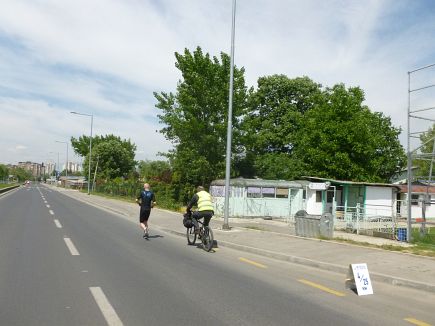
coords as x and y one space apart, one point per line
106 308
58 224
73 250
51 212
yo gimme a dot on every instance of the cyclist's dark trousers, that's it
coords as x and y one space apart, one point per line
207 215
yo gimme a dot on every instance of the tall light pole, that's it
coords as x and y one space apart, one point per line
225 226
90 148
66 167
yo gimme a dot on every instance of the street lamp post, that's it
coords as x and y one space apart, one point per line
225 226
66 167
90 148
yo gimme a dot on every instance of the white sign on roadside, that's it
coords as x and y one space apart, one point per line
360 279
319 185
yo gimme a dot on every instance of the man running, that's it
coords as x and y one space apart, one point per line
146 200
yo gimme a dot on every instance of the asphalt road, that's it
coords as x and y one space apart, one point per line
63 262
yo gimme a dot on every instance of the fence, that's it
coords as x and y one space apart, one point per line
127 189
130 189
369 220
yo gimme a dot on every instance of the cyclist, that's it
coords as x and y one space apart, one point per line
146 200
203 201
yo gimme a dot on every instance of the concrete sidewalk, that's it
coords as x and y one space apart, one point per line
275 239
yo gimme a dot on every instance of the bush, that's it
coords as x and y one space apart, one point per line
130 189
428 238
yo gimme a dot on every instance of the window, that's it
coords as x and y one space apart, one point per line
428 200
254 192
281 193
217 191
414 200
329 196
318 196
268 192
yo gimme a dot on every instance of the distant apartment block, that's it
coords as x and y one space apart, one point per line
40 169
74 167
36 169
49 168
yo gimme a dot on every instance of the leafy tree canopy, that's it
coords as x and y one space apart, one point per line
195 117
424 162
275 112
21 174
342 139
295 128
274 116
159 171
81 145
115 156
4 172
284 129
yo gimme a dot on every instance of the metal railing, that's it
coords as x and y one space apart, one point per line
369 220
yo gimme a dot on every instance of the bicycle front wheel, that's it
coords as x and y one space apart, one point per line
191 236
207 239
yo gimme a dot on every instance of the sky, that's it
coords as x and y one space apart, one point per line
107 57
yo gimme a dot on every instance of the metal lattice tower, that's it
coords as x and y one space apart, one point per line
416 114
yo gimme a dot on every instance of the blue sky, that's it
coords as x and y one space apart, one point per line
107 57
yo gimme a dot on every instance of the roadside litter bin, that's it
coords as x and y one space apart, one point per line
314 226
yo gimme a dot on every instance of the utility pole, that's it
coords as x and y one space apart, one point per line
225 226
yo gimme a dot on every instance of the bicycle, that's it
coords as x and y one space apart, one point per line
204 233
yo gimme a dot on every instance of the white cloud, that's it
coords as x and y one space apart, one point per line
106 57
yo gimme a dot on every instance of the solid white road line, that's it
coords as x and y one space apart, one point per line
51 212
106 308
71 247
58 224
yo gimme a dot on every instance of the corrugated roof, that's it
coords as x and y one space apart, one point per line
314 179
242 182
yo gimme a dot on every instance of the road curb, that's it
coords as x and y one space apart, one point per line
396 281
8 190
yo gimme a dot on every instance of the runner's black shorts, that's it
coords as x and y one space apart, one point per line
144 214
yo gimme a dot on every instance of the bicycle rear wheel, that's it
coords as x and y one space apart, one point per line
191 235
207 239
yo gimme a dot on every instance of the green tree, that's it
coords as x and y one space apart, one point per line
115 156
4 172
21 174
195 117
276 110
342 139
159 171
423 163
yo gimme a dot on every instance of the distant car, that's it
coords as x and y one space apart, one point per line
27 183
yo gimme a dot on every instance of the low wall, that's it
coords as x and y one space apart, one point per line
3 190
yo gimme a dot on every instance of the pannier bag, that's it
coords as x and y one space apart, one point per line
187 220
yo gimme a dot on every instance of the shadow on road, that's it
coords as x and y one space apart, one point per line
154 237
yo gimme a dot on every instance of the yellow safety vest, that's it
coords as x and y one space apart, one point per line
204 201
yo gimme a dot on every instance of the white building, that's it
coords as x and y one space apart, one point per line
422 201
259 198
